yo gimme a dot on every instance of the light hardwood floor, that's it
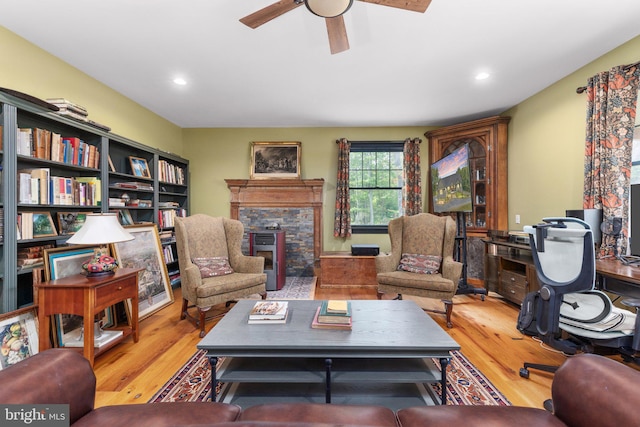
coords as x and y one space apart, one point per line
486 331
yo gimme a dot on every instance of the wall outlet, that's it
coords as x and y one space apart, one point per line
517 219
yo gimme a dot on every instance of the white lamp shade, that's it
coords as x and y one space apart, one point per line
100 229
328 8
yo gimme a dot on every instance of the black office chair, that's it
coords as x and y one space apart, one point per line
564 256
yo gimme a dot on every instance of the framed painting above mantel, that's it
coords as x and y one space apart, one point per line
275 160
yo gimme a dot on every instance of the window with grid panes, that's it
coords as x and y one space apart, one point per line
375 185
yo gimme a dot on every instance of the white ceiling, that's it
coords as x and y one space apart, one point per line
403 69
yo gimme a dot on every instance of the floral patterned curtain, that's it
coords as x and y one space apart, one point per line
412 191
611 111
342 220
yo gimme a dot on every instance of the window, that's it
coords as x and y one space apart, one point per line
375 185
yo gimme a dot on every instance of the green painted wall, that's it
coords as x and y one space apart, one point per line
546 143
29 69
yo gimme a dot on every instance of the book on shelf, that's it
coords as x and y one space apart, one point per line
134 185
76 339
68 150
140 203
34 186
316 324
38 187
335 312
170 173
63 104
31 256
116 202
269 310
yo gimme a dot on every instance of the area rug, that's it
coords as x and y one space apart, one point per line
465 383
295 288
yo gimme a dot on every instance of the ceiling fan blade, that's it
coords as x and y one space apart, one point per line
268 13
413 5
338 41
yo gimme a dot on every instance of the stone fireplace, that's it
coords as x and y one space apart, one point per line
295 204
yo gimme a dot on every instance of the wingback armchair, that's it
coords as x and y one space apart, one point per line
421 260
204 245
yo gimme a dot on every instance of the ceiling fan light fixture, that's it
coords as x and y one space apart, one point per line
328 8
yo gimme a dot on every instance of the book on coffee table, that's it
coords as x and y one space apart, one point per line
316 324
335 312
268 321
269 310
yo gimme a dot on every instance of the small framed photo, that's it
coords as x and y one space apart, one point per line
42 225
70 222
275 160
19 336
139 167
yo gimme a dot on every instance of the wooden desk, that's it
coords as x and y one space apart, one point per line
617 278
84 296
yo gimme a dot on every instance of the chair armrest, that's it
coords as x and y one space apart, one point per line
190 279
451 269
249 264
191 274
386 263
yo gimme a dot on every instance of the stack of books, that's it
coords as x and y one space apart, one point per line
75 338
271 312
333 314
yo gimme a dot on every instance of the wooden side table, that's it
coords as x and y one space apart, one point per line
86 296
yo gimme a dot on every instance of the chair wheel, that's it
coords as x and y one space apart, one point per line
524 373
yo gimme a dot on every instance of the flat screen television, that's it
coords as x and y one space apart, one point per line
451 182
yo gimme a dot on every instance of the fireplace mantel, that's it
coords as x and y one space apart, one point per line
280 193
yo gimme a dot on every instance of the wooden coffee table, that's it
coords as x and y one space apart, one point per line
385 359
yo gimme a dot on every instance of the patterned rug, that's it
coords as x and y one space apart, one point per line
295 288
465 383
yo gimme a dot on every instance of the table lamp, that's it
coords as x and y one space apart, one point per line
100 229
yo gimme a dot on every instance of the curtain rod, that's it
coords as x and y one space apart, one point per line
582 89
338 141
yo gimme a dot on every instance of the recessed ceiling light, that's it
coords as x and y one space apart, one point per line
482 76
180 81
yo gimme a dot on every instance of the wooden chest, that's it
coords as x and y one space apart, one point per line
341 269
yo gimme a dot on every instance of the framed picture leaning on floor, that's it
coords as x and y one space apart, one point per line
145 251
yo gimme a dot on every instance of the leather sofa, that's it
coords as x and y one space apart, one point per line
587 390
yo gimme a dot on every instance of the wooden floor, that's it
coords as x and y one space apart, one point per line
486 331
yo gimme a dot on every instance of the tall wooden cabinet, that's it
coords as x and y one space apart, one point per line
96 171
487 139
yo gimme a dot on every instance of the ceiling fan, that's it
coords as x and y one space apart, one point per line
332 11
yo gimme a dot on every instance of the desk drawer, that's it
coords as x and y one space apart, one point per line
514 286
111 293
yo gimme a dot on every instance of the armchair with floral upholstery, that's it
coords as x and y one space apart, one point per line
213 269
421 260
